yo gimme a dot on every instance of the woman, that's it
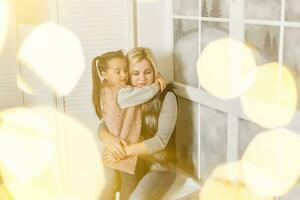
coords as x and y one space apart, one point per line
158 122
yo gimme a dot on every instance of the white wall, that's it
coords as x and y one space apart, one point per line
155 30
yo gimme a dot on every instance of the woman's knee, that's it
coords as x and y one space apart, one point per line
139 195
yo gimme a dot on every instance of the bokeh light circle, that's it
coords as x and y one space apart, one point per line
271 101
271 162
226 68
55 55
73 168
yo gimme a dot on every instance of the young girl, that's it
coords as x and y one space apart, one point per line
110 76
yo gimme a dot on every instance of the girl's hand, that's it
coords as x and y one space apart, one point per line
116 148
108 157
161 81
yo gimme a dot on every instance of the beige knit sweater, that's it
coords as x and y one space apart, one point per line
122 123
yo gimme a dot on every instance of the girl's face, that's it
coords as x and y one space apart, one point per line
142 74
117 72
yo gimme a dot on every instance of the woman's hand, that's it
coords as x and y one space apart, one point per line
116 148
108 157
161 81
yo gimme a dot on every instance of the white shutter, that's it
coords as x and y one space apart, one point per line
10 95
101 25
42 93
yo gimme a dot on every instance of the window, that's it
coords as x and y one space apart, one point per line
269 27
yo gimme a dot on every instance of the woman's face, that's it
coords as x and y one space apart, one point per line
142 74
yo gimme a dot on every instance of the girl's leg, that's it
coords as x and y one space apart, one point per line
111 185
153 185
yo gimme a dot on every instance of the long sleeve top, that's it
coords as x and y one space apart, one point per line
166 121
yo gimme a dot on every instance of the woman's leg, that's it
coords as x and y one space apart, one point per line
130 181
128 184
111 185
153 186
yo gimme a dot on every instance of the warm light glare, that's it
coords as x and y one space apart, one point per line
46 154
4 193
63 197
25 148
215 189
4 21
24 86
272 99
271 162
231 172
226 68
55 55
147 1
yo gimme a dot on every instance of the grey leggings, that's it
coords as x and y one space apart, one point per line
153 185
117 181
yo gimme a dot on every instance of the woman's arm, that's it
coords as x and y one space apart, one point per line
113 144
166 123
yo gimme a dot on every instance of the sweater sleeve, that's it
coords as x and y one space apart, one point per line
132 96
166 123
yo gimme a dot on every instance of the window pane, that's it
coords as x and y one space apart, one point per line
212 31
187 134
213 139
263 9
291 53
186 51
292 12
183 7
215 8
247 131
264 41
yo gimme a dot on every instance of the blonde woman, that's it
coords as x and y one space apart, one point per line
158 122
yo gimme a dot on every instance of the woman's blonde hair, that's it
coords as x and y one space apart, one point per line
99 65
138 54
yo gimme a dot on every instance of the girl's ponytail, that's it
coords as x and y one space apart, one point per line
97 85
99 64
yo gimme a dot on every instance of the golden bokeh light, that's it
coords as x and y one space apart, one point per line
4 21
62 170
63 197
55 55
147 1
231 172
271 101
4 193
271 162
216 189
25 145
226 68
25 86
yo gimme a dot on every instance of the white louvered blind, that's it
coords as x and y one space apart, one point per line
101 25
42 94
10 95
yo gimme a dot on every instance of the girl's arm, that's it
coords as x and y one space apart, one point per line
166 123
132 96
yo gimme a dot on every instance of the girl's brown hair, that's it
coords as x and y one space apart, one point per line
99 65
